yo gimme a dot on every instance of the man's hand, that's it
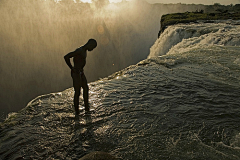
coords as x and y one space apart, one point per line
67 59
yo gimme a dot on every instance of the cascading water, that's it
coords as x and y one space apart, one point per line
180 103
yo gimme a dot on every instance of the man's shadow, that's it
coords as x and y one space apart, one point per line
83 121
84 132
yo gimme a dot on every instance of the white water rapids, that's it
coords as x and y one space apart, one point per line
180 103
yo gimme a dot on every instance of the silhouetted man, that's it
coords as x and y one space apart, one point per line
79 79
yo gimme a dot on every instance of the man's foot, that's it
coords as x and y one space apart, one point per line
87 111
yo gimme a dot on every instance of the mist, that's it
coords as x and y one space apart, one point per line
36 34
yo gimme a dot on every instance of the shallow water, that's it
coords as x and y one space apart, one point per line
181 105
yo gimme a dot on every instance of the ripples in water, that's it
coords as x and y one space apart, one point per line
161 108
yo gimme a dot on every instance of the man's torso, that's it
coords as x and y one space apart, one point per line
80 59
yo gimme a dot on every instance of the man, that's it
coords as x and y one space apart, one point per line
79 79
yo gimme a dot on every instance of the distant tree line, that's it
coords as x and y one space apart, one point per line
217 7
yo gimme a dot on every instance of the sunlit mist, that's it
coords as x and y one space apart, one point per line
35 35
115 1
86 1
110 1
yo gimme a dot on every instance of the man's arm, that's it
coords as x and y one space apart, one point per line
67 59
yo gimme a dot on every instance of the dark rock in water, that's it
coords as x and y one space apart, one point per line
98 156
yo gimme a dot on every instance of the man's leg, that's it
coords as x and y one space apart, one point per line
85 92
76 99
77 91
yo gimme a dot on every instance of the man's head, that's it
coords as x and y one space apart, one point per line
91 44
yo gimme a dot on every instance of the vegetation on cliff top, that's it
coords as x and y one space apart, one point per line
187 17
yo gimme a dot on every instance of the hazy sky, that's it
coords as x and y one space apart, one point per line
207 2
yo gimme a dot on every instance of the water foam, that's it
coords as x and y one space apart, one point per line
184 37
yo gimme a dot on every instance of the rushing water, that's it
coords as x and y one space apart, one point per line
180 103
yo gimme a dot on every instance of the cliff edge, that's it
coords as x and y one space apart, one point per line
194 17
